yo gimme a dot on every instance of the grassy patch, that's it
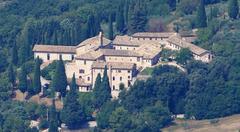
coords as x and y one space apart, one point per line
147 71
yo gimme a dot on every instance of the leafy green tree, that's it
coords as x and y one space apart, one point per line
157 116
110 28
201 20
23 83
183 56
72 114
59 81
53 119
14 55
120 120
233 9
11 74
104 114
120 19
36 78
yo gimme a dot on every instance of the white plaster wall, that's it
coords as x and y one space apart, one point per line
53 56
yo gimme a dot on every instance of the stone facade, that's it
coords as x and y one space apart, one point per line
123 57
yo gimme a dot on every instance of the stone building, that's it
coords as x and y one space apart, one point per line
124 56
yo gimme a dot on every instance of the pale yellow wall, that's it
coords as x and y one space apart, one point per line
204 58
126 76
124 59
87 75
53 56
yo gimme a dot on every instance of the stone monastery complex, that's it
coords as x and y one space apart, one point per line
124 56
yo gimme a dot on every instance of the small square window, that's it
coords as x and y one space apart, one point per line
119 71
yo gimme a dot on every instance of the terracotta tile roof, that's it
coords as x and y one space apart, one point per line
184 44
91 55
149 50
114 65
113 52
79 82
153 34
125 41
94 41
54 49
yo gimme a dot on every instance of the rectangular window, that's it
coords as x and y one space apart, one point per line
113 87
72 57
113 78
81 71
85 62
60 56
138 59
48 56
120 78
119 71
88 78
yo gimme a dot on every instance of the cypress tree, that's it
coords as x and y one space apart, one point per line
126 8
59 81
233 9
23 80
106 89
36 78
137 18
23 53
53 121
110 28
91 29
97 90
14 55
120 19
11 74
201 16
72 114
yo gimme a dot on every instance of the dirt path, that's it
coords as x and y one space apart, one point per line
227 124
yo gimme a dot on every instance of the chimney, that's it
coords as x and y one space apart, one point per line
100 39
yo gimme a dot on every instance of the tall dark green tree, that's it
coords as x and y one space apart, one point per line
172 4
97 90
93 26
14 55
106 89
59 81
137 17
36 77
201 20
53 119
23 83
72 114
110 28
233 9
120 19
11 74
